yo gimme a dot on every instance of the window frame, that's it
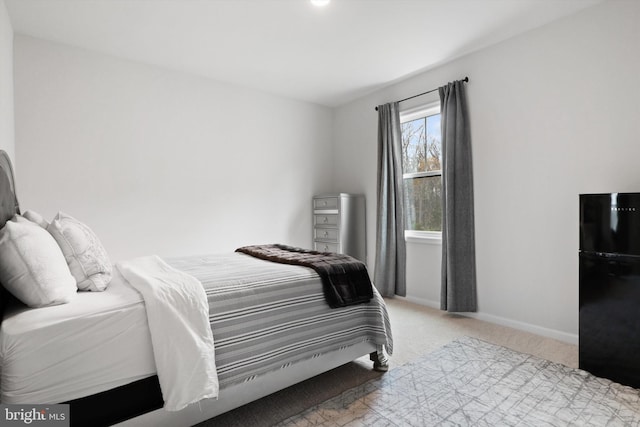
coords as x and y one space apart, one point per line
424 110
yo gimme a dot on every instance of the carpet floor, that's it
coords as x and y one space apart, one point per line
470 382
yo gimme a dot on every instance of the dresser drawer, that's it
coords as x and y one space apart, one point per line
323 203
325 234
325 247
339 224
329 219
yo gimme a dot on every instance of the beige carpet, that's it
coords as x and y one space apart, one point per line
417 331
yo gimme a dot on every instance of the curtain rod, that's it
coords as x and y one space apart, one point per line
466 79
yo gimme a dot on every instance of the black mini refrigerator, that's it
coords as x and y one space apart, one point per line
609 299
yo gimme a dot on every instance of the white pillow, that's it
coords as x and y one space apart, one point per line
85 255
32 266
35 217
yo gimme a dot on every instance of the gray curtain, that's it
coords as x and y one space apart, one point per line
458 235
390 268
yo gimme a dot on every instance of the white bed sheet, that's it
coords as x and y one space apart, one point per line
95 343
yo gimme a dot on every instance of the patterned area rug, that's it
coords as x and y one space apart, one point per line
473 383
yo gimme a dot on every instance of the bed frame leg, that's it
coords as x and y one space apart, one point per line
380 360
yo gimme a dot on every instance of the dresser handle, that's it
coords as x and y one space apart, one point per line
326 248
325 220
326 234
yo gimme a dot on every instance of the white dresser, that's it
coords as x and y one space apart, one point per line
339 224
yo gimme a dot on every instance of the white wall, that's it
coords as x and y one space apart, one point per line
6 82
161 162
554 113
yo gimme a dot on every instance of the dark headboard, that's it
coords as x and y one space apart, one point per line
8 207
8 199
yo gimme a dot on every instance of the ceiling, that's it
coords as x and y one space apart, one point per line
328 55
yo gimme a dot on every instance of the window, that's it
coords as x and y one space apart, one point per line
422 163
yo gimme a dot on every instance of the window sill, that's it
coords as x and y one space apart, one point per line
423 237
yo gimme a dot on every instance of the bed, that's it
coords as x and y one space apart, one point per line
271 327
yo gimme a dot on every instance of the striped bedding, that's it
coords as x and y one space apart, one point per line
266 316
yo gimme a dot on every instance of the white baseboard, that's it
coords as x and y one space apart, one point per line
515 324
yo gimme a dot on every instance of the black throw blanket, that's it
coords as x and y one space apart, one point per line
345 280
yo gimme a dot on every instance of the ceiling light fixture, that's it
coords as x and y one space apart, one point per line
320 3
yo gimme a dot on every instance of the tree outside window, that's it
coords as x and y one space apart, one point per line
422 160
